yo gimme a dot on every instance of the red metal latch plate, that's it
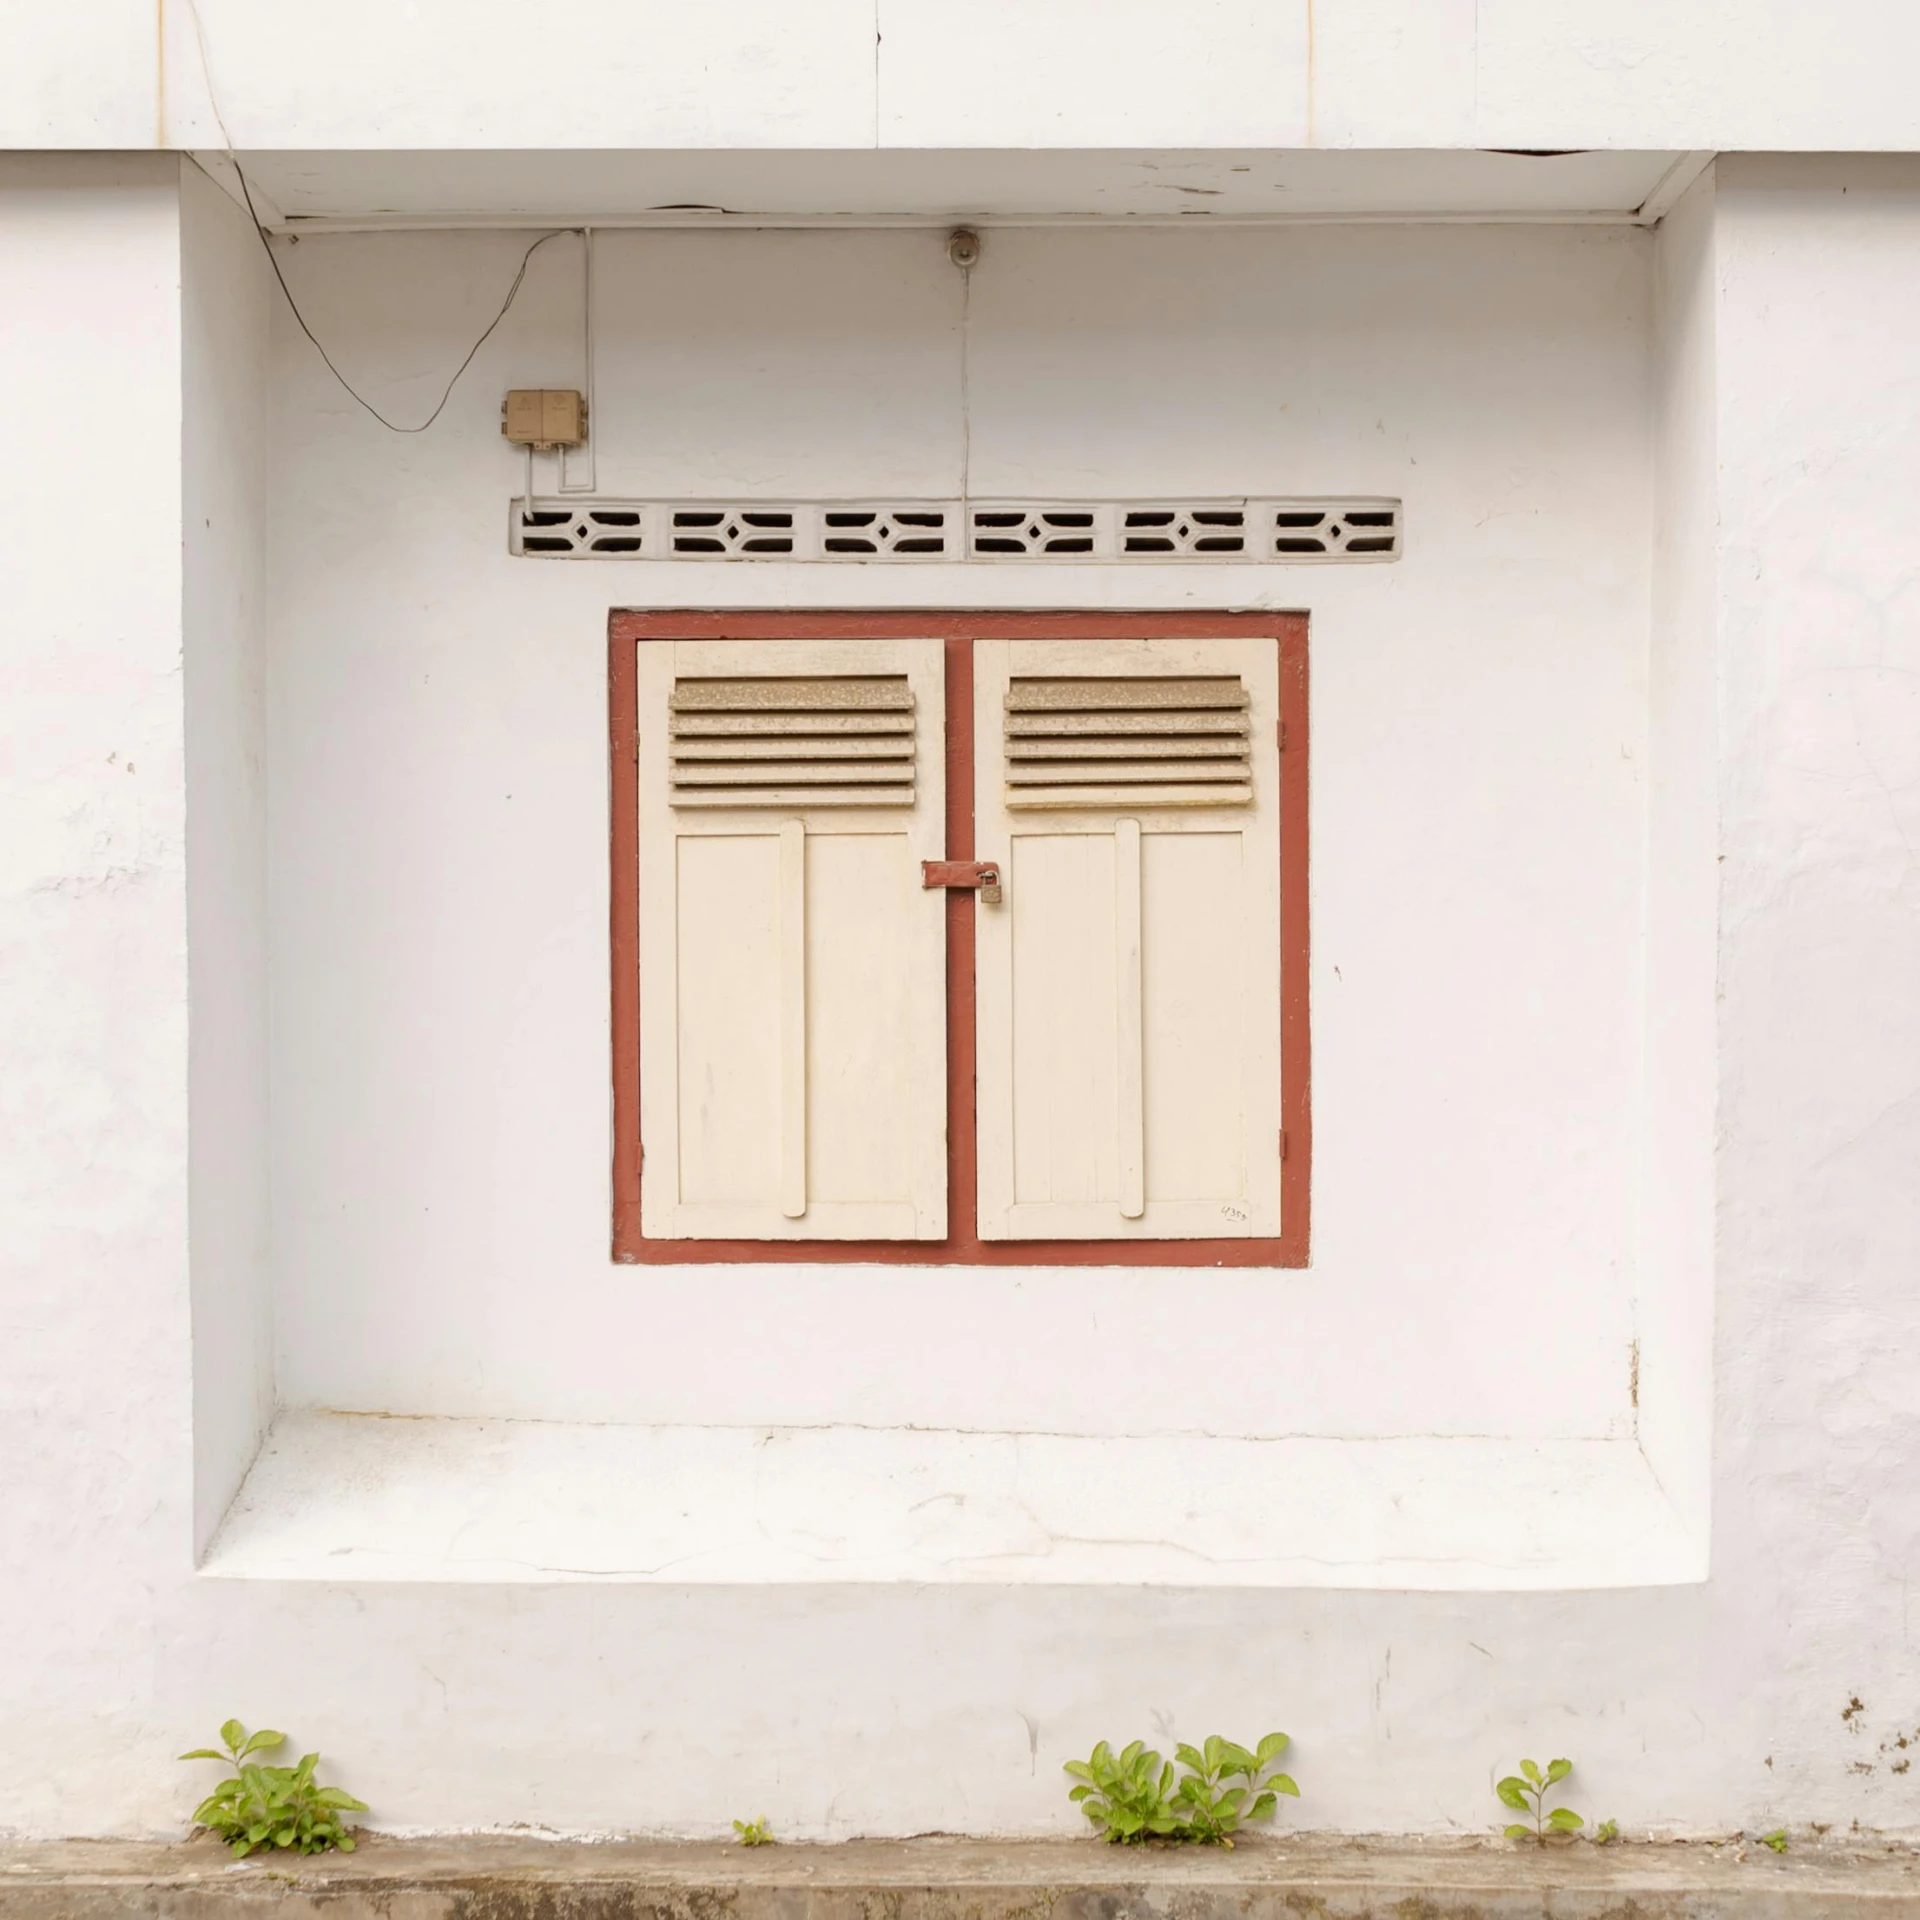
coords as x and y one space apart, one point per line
983 874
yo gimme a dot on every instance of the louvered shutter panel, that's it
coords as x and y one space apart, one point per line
1128 983
792 967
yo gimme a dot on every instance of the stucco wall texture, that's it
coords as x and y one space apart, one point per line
1782 1688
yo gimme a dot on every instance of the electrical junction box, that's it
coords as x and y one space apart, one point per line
544 417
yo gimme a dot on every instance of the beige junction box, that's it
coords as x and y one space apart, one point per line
544 417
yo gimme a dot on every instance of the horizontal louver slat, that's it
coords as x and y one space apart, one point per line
796 746
794 773
792 741
1068 725
1219 746
1151 740
836 693
1053 773
1072 696
735 726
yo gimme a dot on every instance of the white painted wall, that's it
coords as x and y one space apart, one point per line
1673 1313
667 1709
439 807
95 1456
986 73
1819 1335
223 380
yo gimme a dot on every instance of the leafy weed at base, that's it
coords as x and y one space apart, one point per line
263 1806
1134 1796
1526 1792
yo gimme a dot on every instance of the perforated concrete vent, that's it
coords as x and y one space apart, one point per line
1148 740
1021 532
792 740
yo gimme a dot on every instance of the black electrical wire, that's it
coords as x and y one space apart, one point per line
294 307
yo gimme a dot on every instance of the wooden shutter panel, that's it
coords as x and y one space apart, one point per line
792 967
1128 983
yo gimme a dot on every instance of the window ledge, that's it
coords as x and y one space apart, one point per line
375 1498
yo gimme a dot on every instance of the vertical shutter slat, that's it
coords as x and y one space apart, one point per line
793 1018
1129 1091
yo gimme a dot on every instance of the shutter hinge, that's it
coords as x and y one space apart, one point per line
1280 728
1283 1143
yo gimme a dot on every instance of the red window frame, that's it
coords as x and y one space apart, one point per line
628 628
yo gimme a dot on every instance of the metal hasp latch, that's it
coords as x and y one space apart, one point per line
984 874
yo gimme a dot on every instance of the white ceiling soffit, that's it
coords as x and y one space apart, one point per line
867 188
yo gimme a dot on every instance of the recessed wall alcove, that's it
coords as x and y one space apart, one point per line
1493 1372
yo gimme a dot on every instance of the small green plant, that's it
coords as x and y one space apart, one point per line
754 1833
1777 1839
1526 1792
1215 1808
1606 1831
1129 1797
271 1806
1134 1796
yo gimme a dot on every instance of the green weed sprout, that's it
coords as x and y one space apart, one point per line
1135 1796
1129 1798
1526 1792
271 1806
1215 1808
754 1833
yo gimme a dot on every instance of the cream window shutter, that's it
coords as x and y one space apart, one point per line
1129 981
792 966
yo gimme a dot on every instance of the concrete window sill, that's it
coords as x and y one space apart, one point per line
341 1496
